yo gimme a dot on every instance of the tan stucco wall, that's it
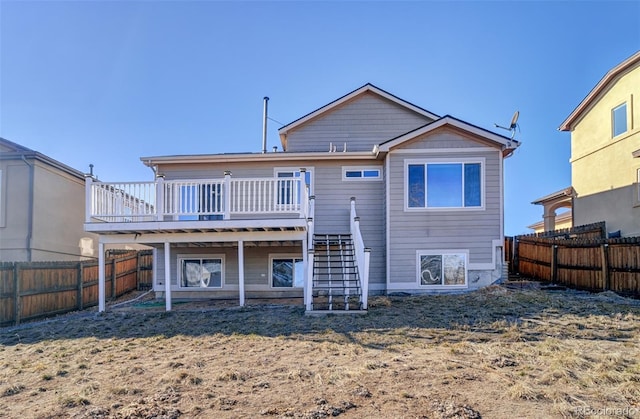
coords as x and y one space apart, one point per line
58 214
14 201
599 161
58 221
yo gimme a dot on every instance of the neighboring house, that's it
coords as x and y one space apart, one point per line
563 220
605 132
41 208
372 194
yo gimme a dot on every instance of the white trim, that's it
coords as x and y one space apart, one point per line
481 149
501 141
203 237
268 157
151 226
426 161
442 252
291 256
387 176
361 169
180 257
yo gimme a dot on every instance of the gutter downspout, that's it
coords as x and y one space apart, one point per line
30 213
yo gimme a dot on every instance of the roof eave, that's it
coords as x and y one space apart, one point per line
271 157
598 89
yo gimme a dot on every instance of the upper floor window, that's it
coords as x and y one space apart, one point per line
361 173
444 185
619 119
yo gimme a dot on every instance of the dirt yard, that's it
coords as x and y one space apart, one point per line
504 352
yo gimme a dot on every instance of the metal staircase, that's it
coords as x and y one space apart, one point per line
336 282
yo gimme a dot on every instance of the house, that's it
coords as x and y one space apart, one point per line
605 132
41 208
371 194
563 220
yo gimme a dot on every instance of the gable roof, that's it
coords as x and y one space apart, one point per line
332 105
612 76
507 144
17 151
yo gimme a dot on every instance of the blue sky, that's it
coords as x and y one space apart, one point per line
106 82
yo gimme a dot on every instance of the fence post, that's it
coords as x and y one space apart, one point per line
516 256
604 252
554 263
80 285
114 278
138 270
17 306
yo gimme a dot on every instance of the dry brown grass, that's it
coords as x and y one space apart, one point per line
495 353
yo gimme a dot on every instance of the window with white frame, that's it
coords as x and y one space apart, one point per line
444 184
361 173
619 119
201 271
289 191
442 269
286 271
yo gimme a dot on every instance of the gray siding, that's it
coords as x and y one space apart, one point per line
332 203
256 264
361 123
471 230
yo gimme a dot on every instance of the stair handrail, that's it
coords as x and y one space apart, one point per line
362 253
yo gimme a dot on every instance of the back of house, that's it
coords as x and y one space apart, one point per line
370 194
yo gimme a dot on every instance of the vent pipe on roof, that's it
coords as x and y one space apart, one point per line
264 125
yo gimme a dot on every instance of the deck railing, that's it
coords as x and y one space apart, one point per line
195 199
362 253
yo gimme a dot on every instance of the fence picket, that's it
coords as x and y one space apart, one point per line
38 289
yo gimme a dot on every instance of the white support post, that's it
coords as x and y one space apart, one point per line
88 197
101 281
365 281
241 271
312 206
304 198
308 286
160 198
227 194
167 275
305 260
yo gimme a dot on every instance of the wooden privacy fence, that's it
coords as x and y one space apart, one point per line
30 290
589 264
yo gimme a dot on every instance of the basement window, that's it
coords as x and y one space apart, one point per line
287 272
442 269
200 271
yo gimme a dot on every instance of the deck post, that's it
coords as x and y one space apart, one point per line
101 281
88 197
308 283
227 194
241 271
160 197
305 260
365 281
167 276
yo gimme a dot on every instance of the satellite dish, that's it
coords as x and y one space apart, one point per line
514 120
514 124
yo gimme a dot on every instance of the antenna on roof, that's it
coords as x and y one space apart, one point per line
514 124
